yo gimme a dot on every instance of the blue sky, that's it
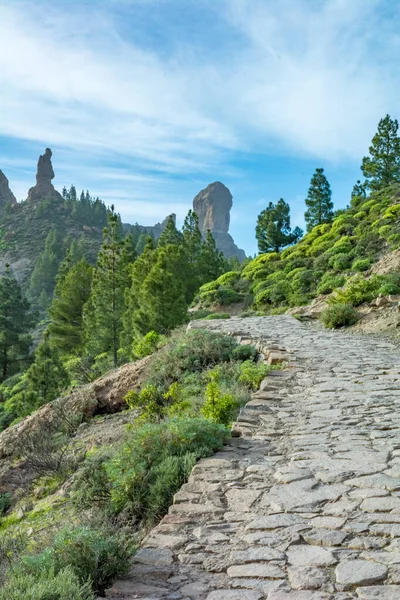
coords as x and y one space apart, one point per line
145 102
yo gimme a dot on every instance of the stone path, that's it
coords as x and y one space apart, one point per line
305 504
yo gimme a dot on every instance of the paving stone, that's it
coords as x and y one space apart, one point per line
387 504
360 572
264 570
324 537
379 592
313 556
307 578
235 595
256 554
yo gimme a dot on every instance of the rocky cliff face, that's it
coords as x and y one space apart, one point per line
44 188
213 206
6 195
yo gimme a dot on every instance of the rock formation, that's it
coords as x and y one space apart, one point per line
213 206
154 230
44 188
6 195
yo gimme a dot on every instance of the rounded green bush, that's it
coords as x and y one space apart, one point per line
388 289
361 264
228 278
226 295
46 585
330 282
339 315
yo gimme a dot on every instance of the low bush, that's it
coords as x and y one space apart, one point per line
220 315
95 556
132 475
361 264
388 289
330 282
225 295
244 352
189 353
339 315
45 585
219 407
252 374
358 290
148 344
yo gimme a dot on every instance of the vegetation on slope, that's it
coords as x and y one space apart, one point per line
110 495
336 252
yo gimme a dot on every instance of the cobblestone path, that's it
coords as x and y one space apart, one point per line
305 504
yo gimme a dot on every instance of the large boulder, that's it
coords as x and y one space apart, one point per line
44 189
6 195
213 206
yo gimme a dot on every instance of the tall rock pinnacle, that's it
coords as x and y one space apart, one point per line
213 205
44 188
6 194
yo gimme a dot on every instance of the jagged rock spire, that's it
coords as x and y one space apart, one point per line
6 194
44 188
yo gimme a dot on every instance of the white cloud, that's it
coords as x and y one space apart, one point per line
300 77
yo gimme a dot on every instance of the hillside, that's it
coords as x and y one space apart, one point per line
332 256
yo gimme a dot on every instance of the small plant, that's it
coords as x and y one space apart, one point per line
244 352
218 316
45 585
95 556
330 282
339 315
148 344
219 407
361 264
5 502
149 399
358 290
252 374
388 289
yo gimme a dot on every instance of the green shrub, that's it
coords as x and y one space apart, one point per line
95 556
244 352
330 282
229 278
45 585
220 315
361 264
134 471
340 262
226 295
219 407
252 374
388 289
358 290
189 353
339 315
150 399
148 344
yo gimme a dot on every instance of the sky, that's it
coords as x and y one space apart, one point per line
146 102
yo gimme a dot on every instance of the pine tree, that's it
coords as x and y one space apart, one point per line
211 262
46 268
273 230
15 322
104 310
134 319
318 201
43 382
192 244
163 293
359 190
382 167
66 312
170 235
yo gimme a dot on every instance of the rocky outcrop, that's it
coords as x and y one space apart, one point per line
154 230
44 188
213 206
6 195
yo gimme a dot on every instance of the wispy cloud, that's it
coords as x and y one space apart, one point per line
172 89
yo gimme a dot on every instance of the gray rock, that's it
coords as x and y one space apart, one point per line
310 556
359 572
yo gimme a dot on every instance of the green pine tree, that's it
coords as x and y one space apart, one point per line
15 322
318 201
163 293
104 310
66 311
46 268
192 243
211 262
382 166
170 235
43 382
273 230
